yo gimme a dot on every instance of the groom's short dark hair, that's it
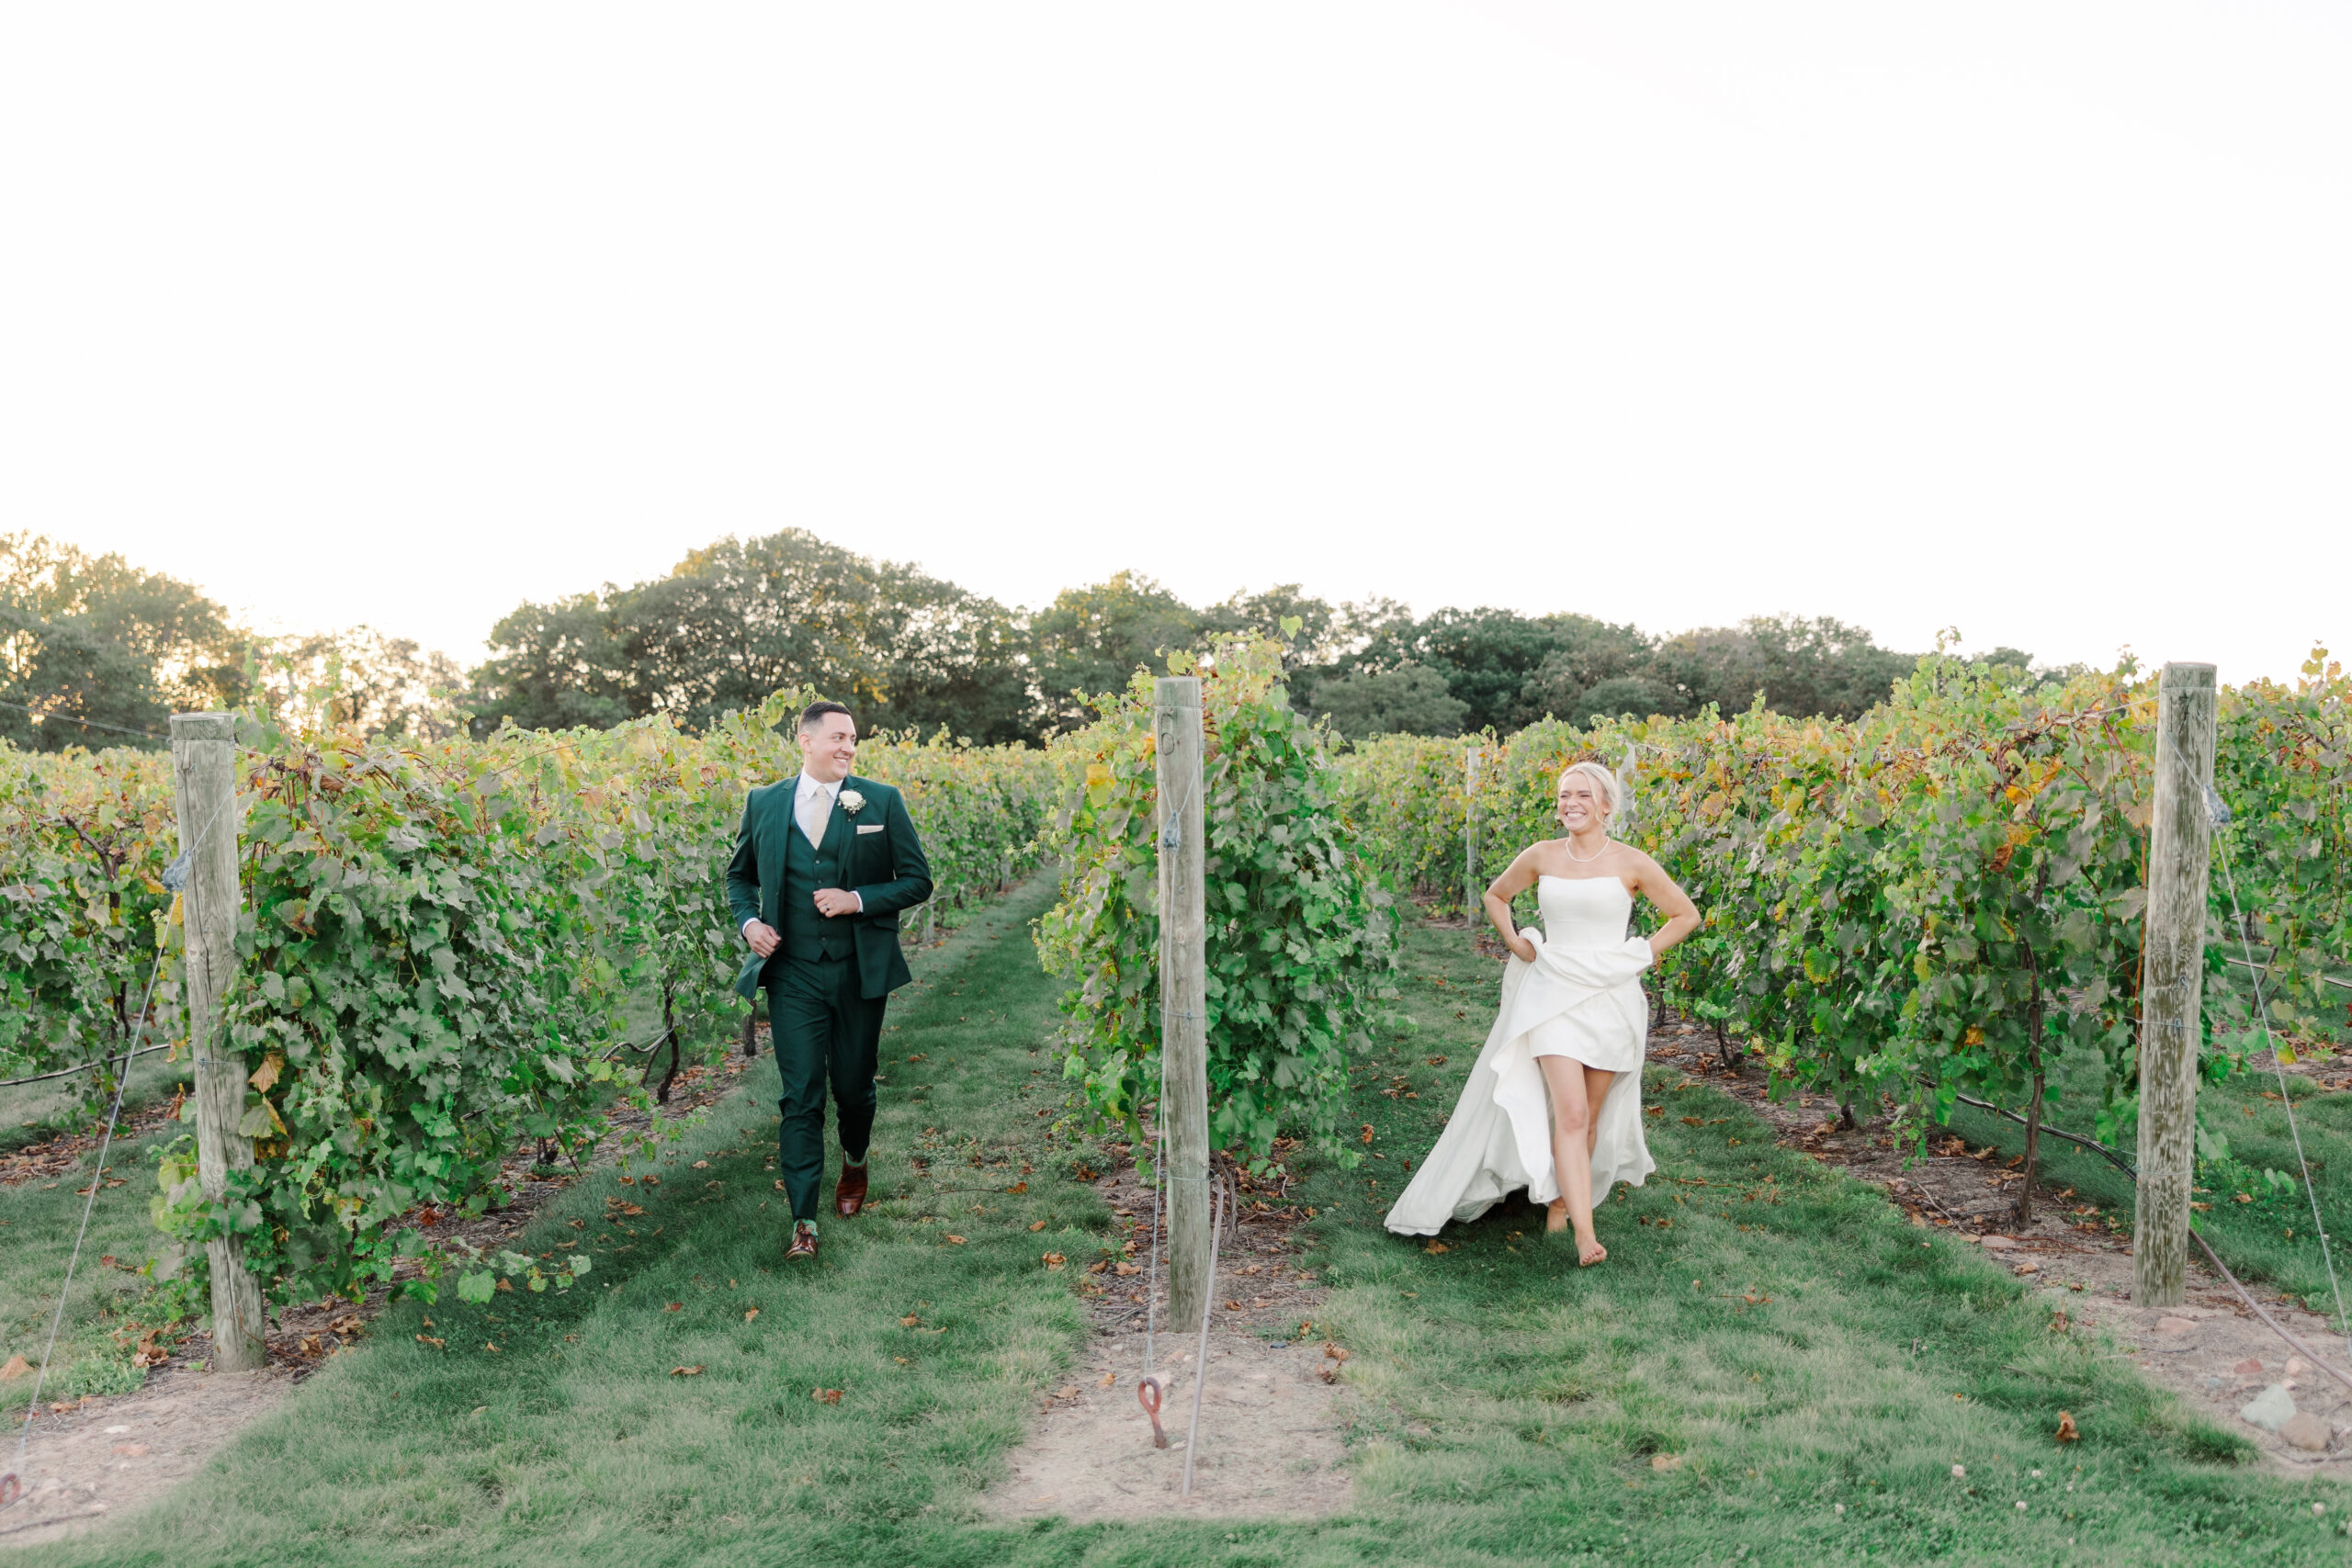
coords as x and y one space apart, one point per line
814 714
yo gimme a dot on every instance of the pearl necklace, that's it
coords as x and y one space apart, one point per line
1569 851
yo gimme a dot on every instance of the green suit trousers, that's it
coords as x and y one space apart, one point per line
824 1031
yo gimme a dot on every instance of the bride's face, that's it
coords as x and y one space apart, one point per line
1580 804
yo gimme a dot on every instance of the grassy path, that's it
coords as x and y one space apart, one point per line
1775 1326
572 1442
1772 1326
38 1220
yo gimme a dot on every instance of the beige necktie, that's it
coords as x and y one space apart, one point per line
816 806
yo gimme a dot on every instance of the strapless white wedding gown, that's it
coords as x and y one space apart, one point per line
1580 998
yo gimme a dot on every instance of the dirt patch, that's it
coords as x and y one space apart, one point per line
77 1469
1270 1429
2213 1352
58 1155
110 1455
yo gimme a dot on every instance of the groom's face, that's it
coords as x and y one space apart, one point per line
829 747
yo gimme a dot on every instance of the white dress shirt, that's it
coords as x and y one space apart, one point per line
812 808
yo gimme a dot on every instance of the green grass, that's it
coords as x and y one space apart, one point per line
38 1222
1503 1406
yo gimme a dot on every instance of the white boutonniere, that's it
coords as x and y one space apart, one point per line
853 802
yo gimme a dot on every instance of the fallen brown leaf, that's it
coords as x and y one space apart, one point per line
2066 1433
685 1372
1054 1260
674 1307
821 1395
909 1321
751 1313
1038 1227
17 1367
955 1241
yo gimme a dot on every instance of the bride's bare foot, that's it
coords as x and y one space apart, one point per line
1555 1217
1589 1252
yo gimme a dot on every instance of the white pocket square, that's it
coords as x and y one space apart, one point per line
870 827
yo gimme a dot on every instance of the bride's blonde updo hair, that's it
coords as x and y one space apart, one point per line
1613 788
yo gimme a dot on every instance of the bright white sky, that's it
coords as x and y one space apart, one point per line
2032 319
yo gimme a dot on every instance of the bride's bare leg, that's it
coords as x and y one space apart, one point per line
1596 1091
1572 1135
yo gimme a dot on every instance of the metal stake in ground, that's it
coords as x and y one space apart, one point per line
2180 848
204 756
1183 992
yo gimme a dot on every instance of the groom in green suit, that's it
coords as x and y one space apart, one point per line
824 864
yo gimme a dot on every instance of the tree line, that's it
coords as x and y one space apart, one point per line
94 641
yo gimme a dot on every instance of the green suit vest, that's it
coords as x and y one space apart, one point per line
807 934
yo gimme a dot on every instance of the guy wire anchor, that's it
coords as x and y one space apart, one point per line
1148 1392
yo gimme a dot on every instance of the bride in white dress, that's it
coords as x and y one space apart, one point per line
1553 1101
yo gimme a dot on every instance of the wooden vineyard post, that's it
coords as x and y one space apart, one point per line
204 758
1473 896
1183 993
2180 849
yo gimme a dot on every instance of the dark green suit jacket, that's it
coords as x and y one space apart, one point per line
881 860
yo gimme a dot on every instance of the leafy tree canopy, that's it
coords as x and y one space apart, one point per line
92 639
1411 699
736 620
1090 640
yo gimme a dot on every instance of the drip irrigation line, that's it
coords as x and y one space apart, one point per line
2277 1327
85 723
2049 1132
2261 969
69 1072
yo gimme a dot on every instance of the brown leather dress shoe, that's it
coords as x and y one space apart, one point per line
804 1245
849 1193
